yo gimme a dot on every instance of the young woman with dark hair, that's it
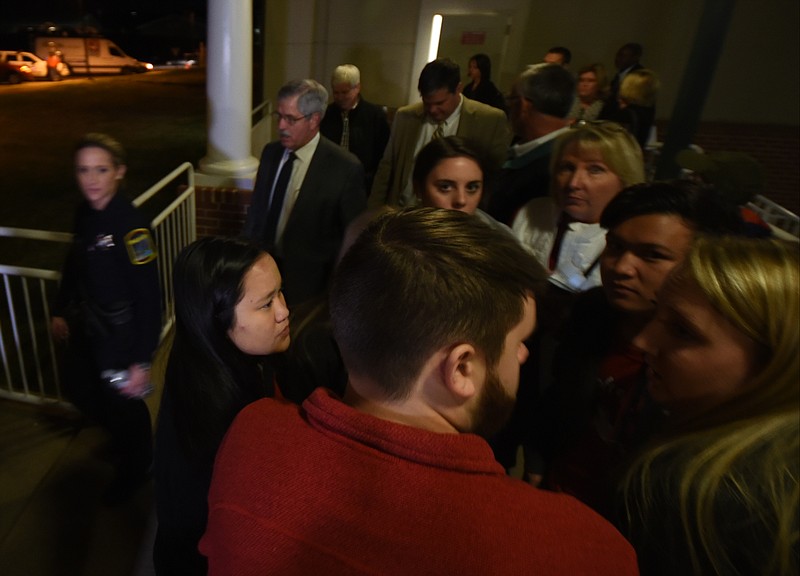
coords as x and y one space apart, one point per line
229 315
480 87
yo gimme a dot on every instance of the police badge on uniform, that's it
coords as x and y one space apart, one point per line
140 245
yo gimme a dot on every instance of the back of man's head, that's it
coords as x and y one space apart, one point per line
438 74
560 55
701 208
420 280
549 87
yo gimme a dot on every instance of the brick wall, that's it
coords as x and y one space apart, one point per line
221 211
776 147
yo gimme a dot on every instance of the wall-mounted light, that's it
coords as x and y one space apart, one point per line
436 32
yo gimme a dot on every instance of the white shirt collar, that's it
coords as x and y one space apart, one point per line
525 147
306 152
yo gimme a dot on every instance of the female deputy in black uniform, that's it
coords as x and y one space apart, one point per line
108 311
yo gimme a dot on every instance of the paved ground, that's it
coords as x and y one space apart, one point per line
160 118
52 520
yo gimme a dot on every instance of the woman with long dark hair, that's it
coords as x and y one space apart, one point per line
481 87
229 315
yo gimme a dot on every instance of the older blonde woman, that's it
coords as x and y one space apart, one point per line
718 493
590 165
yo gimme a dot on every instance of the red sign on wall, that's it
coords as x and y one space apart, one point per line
473 38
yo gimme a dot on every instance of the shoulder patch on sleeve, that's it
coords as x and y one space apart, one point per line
140 245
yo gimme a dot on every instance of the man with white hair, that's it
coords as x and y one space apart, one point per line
355 124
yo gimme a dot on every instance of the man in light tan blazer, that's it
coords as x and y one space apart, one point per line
442 112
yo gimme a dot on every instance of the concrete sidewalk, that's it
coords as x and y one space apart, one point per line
52 519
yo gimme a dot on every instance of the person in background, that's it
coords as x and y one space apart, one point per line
53 61
448 173
539 102
355 124
560 55
442 112
626 60
635 108
591 94
717 491
108 312
229 316
481 87
430 309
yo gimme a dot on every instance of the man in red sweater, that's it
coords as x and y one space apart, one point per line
431 310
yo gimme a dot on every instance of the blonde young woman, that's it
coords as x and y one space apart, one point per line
718 493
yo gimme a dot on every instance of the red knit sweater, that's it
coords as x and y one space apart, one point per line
325 489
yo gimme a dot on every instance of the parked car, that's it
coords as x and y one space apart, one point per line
188 60
10 74
38 66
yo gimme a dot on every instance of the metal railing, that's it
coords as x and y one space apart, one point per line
26 349
174 227
785 224
28 354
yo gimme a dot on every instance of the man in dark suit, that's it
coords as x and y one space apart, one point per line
301 218
625 61
538 106
442 112
354 123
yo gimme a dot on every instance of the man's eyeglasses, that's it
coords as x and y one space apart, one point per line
290 120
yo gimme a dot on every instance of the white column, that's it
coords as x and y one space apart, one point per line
228 159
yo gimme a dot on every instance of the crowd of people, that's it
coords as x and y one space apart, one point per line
488 276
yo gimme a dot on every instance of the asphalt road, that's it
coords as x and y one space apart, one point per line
159 116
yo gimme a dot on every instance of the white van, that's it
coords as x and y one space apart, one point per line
38 66
84 55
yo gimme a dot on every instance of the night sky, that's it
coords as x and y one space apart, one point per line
108 11
128 22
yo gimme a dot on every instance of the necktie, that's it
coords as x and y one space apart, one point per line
439 132
563 224
345 142
278 194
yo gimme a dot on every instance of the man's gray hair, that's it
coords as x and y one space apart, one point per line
550 87
312 96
